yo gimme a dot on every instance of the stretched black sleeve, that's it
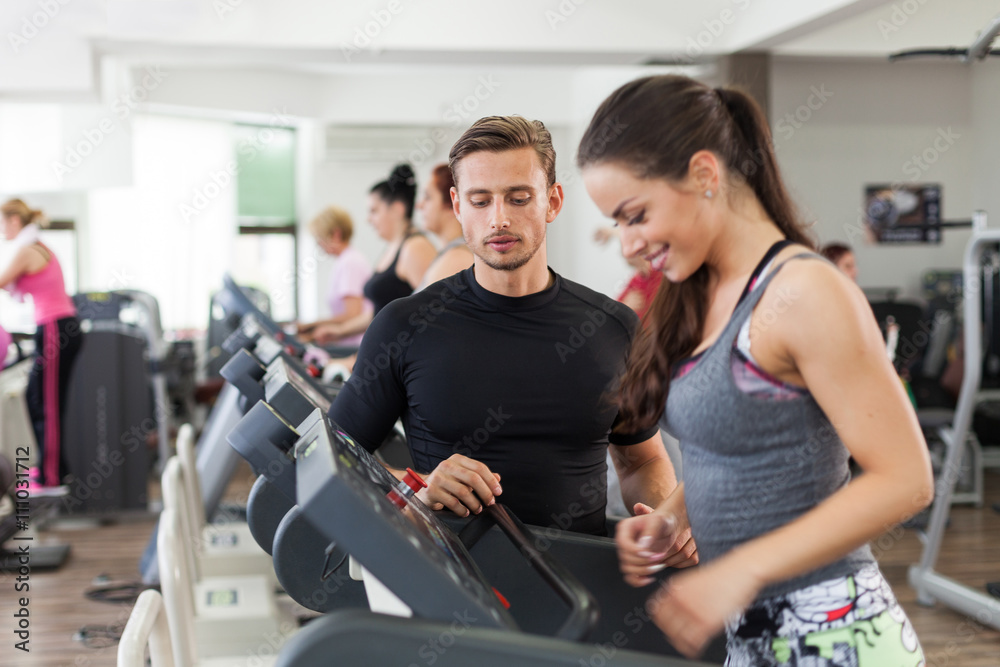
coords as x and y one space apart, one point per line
374 397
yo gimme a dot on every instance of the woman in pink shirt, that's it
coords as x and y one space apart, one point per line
35 271
333 229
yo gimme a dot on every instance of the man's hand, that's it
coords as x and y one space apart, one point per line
462 485
649 542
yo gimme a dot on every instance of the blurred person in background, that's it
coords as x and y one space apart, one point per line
404 260
333 229
842 255
439 219
35 271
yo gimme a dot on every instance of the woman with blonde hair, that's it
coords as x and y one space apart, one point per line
35 271
333 229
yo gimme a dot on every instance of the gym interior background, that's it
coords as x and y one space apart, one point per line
172 142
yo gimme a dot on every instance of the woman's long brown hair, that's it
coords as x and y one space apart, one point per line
652 126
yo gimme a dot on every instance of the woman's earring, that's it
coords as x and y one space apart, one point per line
708 194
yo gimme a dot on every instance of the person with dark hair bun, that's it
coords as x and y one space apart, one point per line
769 369
439 219
35 271
405 259
842 255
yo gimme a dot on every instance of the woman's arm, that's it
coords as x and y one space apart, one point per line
415 256
821 328
327 333
19 265
352 308
450 263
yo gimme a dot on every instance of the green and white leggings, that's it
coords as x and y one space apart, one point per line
851 621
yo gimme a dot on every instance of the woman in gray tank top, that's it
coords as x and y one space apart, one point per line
763 359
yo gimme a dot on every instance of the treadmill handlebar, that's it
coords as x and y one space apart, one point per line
583 606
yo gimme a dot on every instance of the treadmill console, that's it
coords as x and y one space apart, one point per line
408 549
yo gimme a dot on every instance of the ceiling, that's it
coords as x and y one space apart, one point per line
59 51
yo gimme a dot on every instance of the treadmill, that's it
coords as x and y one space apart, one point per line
266 437
446 611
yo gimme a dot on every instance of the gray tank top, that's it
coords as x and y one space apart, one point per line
752 465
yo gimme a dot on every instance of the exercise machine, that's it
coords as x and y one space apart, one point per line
117 400
931 586
446 605
210 616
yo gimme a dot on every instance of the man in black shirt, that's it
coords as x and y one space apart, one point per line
502 373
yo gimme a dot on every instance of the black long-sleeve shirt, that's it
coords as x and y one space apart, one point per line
519 383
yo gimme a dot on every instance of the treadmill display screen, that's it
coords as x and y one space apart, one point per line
369 483
234 300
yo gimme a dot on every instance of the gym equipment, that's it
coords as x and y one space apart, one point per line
219 548
147 625
364 638
413 560
223 320
978 50
216 461
264 437
117 398
211 616
15 424
217 617
930 585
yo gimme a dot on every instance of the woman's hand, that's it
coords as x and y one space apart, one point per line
327 333
693 606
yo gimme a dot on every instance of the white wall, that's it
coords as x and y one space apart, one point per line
875 119
985 103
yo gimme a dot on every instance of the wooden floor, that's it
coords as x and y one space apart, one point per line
58 608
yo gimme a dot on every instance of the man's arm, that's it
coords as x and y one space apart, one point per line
646 474
374 397
368 406
652 539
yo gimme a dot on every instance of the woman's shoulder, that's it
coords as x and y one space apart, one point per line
418 242
808 293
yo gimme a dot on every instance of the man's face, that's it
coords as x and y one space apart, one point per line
503 202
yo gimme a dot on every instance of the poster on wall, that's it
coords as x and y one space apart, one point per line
903 213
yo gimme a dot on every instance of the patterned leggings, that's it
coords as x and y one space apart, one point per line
851 621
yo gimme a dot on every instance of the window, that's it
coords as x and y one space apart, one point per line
266 249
